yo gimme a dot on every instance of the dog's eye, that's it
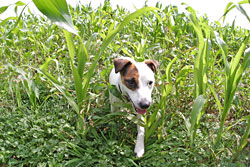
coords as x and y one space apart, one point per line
150 83
131 83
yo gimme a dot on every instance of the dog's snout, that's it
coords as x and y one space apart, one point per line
144 104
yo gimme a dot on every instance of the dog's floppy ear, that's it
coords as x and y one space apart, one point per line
153 65
120 63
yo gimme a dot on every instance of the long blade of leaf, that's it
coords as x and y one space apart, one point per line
196 109
3 9
57 12
231 5
242 10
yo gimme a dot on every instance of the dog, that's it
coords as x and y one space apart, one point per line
134 80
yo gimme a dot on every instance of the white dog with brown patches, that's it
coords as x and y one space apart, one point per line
135 80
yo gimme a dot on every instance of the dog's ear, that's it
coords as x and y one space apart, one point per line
153 65
120 64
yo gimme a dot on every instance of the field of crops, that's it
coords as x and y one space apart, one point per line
54 91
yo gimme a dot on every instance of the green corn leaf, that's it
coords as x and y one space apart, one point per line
82 58
241 69
236 60
244 2
78 86
216 98
242 10
231 6
152 119
228 8
3 9
200 69
20 3
196 109
35 89
76 76
57 12
196 26
152 129
44 68
158 16
224 50
235 73
70 44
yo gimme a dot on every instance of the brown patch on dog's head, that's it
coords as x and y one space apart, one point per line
129 73
153 65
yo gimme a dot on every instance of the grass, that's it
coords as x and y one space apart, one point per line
54 94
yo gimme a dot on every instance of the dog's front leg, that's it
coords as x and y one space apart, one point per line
139 147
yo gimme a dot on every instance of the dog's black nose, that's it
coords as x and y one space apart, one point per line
144 104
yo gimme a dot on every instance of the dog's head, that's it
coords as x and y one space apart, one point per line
137 80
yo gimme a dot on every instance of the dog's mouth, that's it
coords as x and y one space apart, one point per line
138 110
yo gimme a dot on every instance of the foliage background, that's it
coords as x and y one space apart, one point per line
39 127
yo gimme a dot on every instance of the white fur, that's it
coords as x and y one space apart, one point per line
143 93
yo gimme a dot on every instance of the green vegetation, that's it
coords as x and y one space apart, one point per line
54 107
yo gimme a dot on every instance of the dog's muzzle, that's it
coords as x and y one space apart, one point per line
143 105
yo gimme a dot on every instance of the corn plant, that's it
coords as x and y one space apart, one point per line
233 73
58 12
200 72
